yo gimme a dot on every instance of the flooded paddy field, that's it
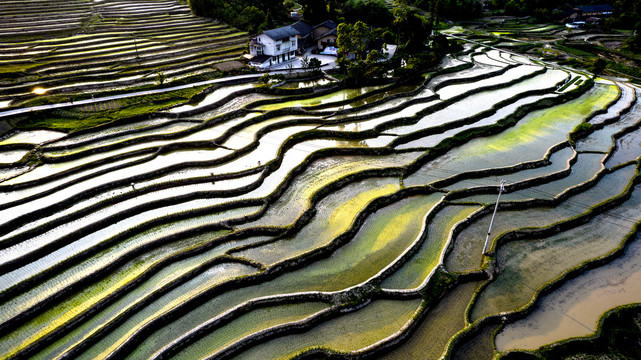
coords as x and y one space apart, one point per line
345 224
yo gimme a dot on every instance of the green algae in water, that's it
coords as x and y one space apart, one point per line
431 336
529 264
377 97
332 97
350 332
528 140
417 269
383 237
164 304
319 174
335 215
352 264
378 243
156 282
245 325
552 123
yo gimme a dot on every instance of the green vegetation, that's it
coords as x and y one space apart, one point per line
346 221
77 119
252 16
452 9
373 12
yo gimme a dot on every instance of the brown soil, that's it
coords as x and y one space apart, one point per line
229 65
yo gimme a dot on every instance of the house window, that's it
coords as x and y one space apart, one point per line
293 43
259 50
278 47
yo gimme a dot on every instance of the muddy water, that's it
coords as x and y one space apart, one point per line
575 308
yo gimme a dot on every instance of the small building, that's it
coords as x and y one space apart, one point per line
274 46
580 13
304 35
327 40
325 34
280 45
595 10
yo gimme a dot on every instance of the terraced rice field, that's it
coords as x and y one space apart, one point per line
68 47
343 223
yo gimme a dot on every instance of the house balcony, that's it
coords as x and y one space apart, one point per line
256 48
283 50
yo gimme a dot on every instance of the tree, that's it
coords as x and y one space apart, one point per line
251 19
160 78
314 64
634 42
598 66
373 12
251 16
411 29
352 42
314 11
305 62
460 9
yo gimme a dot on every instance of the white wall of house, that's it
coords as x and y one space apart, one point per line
279 50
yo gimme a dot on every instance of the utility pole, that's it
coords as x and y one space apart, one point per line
135 45
489 231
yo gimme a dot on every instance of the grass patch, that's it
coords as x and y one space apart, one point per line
568 84
624 69
10 69
580 131
74 119
573 51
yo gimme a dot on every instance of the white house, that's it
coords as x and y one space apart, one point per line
274 47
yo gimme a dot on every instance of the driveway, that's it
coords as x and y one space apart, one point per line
327 62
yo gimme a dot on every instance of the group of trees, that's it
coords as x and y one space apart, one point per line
373 12
525 7
251 16
365 25
452 9
354 58
417 50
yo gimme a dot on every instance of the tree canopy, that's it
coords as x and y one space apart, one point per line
251 16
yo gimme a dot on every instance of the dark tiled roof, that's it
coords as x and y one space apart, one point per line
303 28
259 59
281 33
328 23
331 32
595 8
